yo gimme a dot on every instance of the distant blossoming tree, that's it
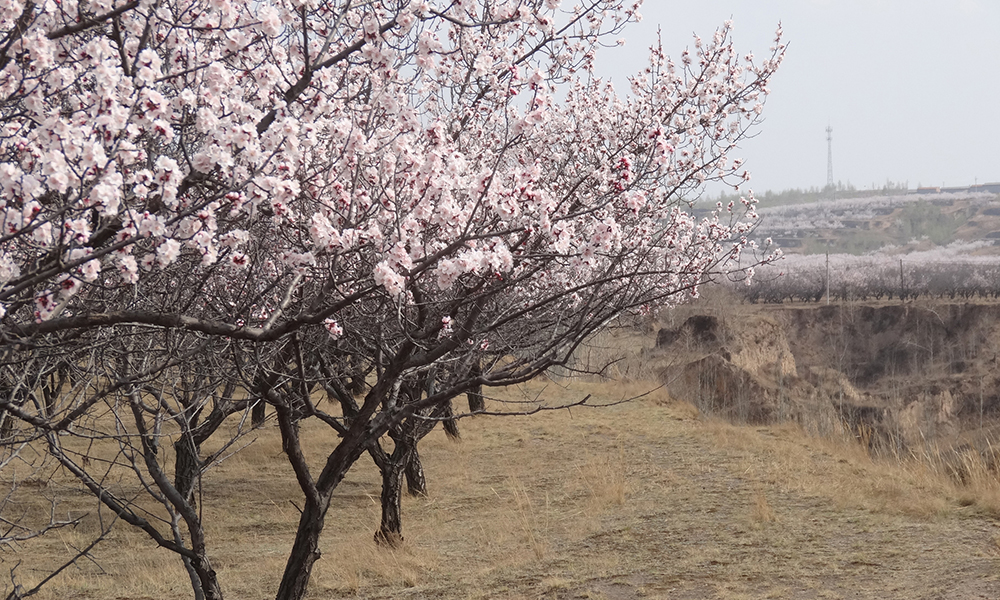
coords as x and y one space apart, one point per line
295 188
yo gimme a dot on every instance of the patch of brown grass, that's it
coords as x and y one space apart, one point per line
838 468
974 480
761 511
606 478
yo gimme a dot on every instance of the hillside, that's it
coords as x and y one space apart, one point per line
903 221
916 377
928 245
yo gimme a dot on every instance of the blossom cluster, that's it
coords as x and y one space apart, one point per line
411 150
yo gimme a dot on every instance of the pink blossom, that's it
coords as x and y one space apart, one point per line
270 22
45 305
151 226
77 230
8 268
448 271
393 282
446 329
429 159
333 328
202 162
167 252
240 260
234 239
128 268
90 270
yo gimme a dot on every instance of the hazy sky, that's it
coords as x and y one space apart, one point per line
911 88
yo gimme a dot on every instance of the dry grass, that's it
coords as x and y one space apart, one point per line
641 499
606 479
841 470
761 511
972 474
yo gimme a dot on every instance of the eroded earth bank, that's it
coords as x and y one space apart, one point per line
904 377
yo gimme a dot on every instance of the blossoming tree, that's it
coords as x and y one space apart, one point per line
421 186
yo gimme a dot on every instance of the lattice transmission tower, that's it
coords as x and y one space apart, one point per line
829 156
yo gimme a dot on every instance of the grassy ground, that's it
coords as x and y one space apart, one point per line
640 500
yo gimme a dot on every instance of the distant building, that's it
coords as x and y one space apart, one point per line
986 188
989 188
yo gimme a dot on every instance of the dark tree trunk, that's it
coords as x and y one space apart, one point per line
357 370
390 532
257 414
450 422
195 578
6 425
187 466
405 460
366 429
477 403
304 554
416 483
209 580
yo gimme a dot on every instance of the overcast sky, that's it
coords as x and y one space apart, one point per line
911 88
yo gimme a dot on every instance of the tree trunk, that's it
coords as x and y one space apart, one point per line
450 423
6 425
187 467
477 403
357 371
416 483
390 532
366 429
199 594
209 580
305 552
257 414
